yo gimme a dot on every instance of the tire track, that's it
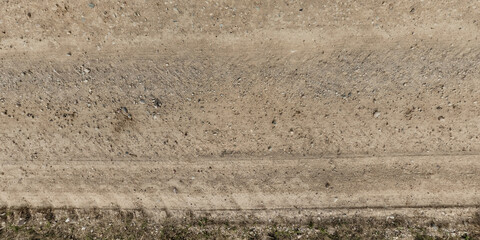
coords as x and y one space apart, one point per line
435 181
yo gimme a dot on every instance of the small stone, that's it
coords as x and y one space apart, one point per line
376 114
156 102
22 222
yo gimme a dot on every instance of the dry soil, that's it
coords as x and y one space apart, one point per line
281 116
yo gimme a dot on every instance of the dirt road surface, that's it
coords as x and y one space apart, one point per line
298 113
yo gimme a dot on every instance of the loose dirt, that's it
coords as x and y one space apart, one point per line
244 114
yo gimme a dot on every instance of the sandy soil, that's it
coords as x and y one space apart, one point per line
238 109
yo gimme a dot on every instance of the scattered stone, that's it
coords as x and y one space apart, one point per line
22 222
156 102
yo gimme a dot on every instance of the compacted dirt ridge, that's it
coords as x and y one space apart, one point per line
322 117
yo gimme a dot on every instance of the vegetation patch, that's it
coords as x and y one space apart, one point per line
48 223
